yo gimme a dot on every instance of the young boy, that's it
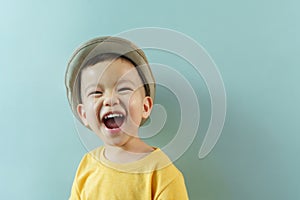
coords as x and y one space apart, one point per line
111 89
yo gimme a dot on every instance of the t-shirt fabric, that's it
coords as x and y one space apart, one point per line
153 177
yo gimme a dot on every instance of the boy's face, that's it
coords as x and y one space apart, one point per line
113 101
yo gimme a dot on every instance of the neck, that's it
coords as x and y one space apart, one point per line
120 154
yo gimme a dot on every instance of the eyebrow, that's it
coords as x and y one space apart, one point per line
126 81
92 86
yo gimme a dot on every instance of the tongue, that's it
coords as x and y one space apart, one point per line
113 122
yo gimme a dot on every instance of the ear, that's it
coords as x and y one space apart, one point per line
147 106
82 114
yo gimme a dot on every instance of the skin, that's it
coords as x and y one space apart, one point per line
115 86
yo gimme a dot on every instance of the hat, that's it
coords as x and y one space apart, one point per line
103 45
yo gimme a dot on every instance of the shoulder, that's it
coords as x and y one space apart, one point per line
165 170
162 163
89 161
168 182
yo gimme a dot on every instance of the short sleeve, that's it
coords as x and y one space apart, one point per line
74 192
176 189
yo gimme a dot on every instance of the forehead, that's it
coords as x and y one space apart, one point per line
109 72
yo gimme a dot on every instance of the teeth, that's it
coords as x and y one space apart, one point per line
113 115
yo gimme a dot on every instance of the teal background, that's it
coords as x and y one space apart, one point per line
255 45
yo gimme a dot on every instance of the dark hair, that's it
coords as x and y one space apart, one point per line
110 57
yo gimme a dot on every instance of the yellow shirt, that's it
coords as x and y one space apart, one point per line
153 177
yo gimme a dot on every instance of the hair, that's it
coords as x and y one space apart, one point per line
110 57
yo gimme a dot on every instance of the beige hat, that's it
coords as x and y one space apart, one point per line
103 45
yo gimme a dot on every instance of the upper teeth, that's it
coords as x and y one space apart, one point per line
113 115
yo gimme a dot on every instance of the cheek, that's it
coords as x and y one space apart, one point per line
92 110
135 107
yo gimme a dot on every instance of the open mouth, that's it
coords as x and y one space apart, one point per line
113 120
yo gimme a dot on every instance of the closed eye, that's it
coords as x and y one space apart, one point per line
95 93
125 89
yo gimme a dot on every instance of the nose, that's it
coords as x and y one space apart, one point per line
110 99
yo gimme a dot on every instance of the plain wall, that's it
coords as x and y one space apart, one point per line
255 45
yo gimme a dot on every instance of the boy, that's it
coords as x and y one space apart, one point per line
111 89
